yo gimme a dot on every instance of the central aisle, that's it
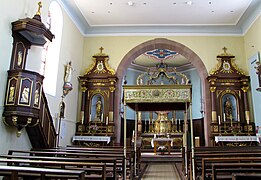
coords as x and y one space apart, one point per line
160 171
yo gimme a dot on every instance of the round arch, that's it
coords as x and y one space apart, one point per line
162 43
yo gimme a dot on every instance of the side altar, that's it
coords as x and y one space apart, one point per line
231 122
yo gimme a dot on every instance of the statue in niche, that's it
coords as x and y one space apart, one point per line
228 109
11 93
25 95
98 104
36 97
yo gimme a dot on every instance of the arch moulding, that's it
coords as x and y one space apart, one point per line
162 43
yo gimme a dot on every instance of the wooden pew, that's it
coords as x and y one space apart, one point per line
217 152
244 176
225 170
14 172
109 162
119 157
95 150
207 163
92 170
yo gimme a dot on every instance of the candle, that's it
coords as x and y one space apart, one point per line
172 121
224 117
179 121
219 120
82 116
107 120
90 117
102 117
238 118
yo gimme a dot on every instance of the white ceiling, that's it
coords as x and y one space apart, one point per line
161 18
132 17
159 12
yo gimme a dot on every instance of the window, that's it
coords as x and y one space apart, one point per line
51 53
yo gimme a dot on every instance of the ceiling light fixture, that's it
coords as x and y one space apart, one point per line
189 3
130 3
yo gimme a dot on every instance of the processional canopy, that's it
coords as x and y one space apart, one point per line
166 88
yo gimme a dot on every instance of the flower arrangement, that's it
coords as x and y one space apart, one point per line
93 128
162 149
234 129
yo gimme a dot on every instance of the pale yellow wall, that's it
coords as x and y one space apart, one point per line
253 39
71 50
206 47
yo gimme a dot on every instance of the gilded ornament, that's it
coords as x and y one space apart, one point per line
245 89
101 53
225 52
226 68
99 84
39 8
112 89
111 71
215 69
158 95
88 71
239 71
212 89
83 89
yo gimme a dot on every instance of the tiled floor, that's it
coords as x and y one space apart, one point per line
160 171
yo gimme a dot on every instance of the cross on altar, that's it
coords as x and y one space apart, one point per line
225 50
101 49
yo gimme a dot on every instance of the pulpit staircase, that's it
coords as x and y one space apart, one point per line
43 134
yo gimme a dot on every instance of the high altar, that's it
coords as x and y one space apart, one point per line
163 91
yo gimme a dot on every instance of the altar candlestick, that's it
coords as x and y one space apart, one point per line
107 120
82 116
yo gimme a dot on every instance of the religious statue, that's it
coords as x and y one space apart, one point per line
98 109
25 95
36 97
68 72
228 109
11 93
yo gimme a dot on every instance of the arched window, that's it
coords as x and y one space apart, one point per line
51 54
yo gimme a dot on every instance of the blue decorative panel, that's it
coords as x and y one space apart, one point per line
161 54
